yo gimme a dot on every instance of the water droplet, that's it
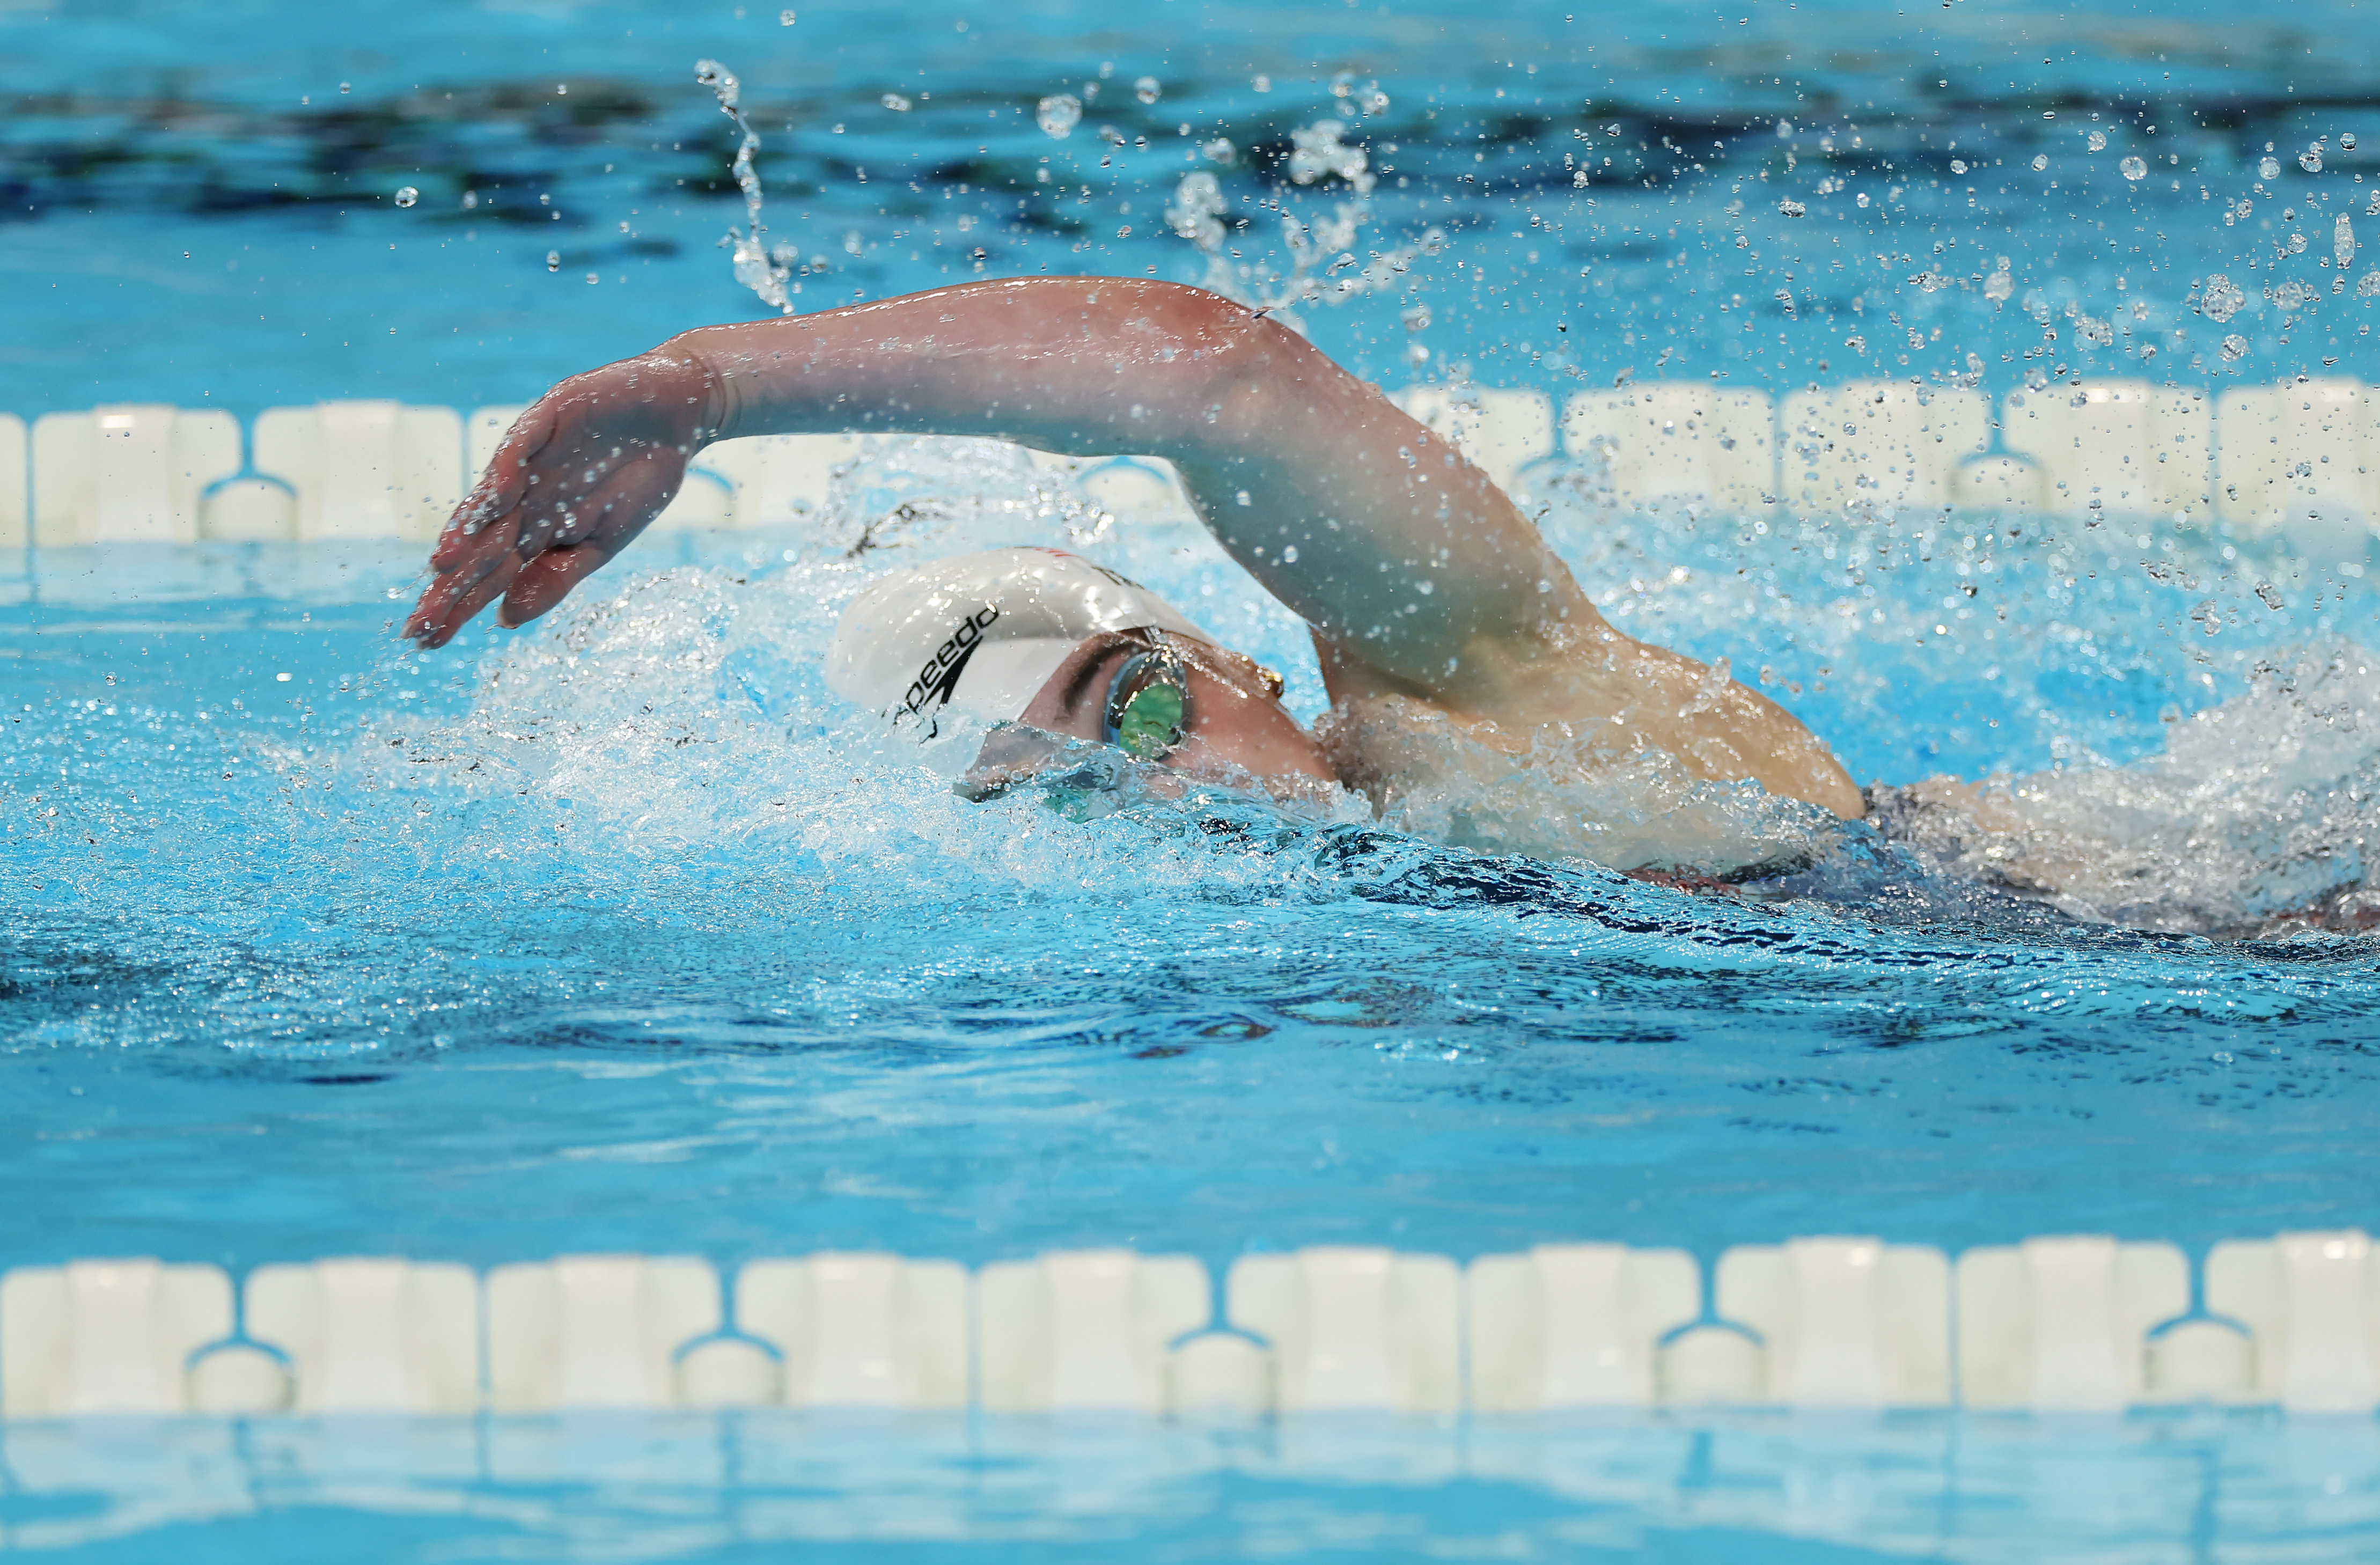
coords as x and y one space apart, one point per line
2222 1056
1218 151
2134 169
1417 318
553 261
2040 162
1058 115
2347 140
407 194
593 278
2269 169
897 103
2000 285
2235 348
2368 286
1789 208
1957 165
344 88
2222 299
784 18
470 199
1146 89
2097 140
1289 556
2310 159
1372 100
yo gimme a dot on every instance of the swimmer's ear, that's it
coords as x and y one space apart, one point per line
547 580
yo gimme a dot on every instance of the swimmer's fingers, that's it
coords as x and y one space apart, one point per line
475 559
605 522
499 529
534 574
450 600
547 580
468 573
500 490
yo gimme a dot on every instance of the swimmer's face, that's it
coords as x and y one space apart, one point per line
1237 724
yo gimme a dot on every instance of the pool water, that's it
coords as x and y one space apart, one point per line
620 933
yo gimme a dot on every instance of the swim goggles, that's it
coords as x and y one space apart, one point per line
1145 718
1148 709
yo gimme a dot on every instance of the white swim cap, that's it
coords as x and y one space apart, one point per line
982 632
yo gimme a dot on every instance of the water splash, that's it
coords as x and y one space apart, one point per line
756 267
1322 265
2258 811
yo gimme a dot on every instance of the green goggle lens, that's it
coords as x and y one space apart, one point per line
1148 708
1152 723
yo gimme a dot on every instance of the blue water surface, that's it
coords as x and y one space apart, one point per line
619 933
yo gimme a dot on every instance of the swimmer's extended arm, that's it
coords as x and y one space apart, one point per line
1419 577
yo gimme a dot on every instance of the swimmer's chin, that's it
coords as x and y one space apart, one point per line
1016 756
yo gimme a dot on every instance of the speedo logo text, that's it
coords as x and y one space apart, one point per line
940 677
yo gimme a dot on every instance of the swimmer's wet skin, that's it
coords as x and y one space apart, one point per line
1422 585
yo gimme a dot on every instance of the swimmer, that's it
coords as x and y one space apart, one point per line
1434 605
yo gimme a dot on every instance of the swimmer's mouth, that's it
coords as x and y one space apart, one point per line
1015 754
1081 778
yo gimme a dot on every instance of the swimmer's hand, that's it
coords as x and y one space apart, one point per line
580 474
